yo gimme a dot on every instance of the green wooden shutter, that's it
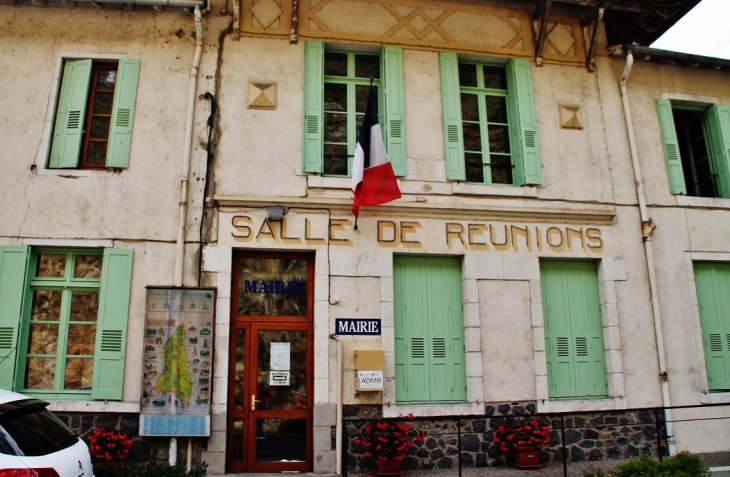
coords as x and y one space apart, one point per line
411 330
125 96
718 121
573 330
446 329
671 147
111 332
713 295
13 265
523 124
429 330
313 148
70 113
451 106
558 338
391 71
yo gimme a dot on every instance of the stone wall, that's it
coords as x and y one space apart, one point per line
144 448
594 437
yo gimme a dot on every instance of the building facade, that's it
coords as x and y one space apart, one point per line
560 240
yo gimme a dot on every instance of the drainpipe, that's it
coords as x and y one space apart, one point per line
338 413
180 251
648 227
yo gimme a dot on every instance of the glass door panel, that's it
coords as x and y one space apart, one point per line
271 364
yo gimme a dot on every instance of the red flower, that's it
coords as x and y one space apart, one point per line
389 439
519 432
108 444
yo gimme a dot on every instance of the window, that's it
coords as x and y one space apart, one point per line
336 89
490 127
64 320
713 295
573 330
93 124
429 330
696 148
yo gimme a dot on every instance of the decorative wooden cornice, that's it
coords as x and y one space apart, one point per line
427 24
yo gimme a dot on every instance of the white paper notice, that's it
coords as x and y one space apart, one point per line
280 356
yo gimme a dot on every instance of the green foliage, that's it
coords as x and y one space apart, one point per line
644 466
152 468
683 464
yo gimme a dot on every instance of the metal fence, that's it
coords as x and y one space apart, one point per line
455 443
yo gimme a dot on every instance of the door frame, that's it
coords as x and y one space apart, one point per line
251 325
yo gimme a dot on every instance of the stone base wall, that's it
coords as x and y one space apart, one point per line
144 448
588 437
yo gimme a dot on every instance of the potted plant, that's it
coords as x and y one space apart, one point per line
389 442
109 445
523 437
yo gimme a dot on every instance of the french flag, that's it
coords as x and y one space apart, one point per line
373 179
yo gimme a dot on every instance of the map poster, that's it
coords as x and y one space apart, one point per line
177 364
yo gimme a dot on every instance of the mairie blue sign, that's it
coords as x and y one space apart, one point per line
357 326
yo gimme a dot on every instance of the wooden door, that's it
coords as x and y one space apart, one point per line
271 364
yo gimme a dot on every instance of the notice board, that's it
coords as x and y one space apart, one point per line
178 362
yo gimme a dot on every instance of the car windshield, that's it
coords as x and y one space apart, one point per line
28 429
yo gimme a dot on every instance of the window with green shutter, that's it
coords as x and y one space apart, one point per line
696 144
94 115
429 330
336 88
573 330
713 296
490 126
64 322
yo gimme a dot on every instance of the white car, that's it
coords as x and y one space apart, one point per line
35 443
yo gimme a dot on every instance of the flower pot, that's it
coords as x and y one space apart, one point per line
527 457
389 467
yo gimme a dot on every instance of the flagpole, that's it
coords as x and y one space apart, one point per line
371 92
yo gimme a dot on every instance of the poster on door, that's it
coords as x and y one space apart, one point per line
280 359
177 363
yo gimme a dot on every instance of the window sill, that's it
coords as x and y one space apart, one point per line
74 173
709 202
715 398
568 405
464 409
508 191
121 407
319 182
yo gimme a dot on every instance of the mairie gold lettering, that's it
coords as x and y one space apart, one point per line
387 233
572 233
454 231
474 231
242 231
497 245
336 226
504 237
267 231
406 229
308 235
284 238
392 234
515 231
595 242
558 246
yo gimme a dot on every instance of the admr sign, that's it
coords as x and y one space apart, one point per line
370 380
357 326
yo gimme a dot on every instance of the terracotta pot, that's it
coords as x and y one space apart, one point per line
527 457
389 467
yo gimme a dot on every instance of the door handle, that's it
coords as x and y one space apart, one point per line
253 402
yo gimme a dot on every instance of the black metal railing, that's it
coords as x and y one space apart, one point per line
467 441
